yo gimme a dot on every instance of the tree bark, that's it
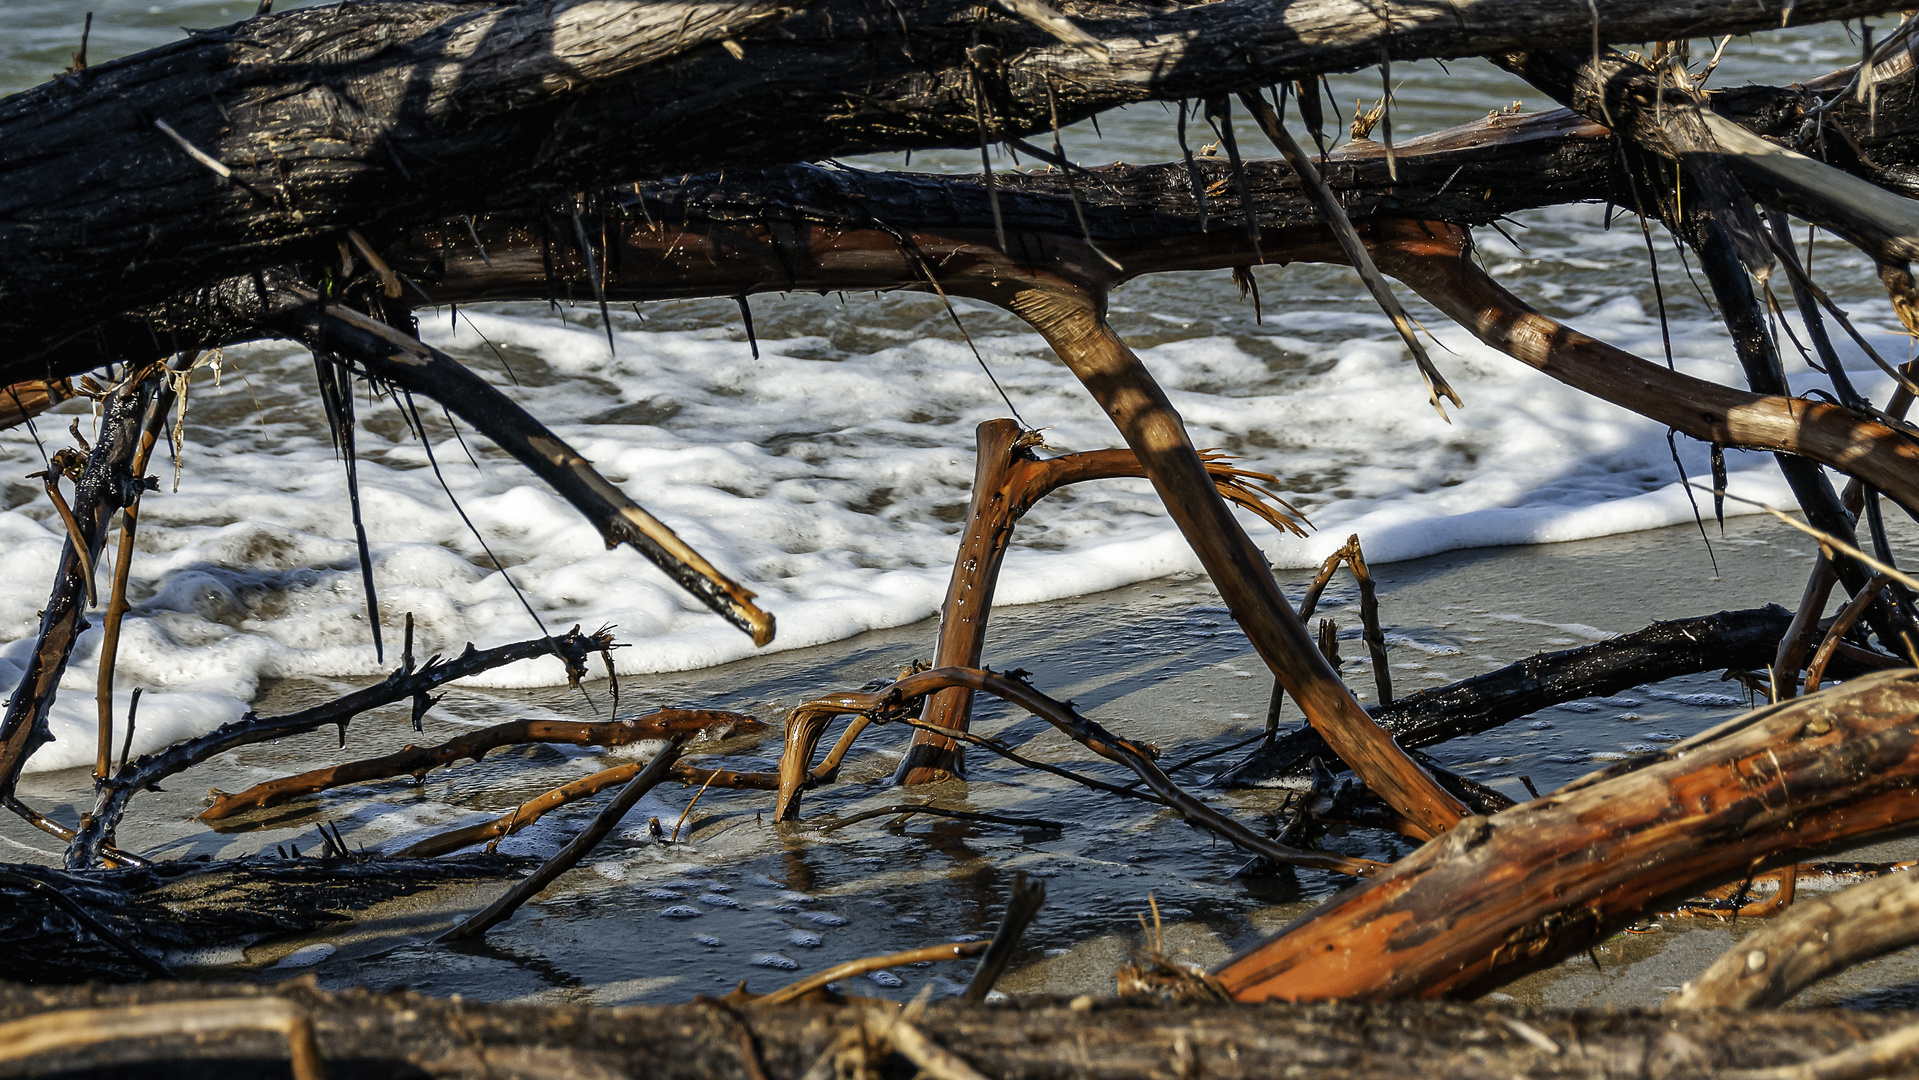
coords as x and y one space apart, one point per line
261 143
366 1034
1817 937
1501 896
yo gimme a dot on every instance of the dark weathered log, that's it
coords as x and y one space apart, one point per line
418 760
1667 121
406 683
1608 87
391 357
1500 896
1664 650
360 1033
604 822
186 906
1819 936
741 226
259 144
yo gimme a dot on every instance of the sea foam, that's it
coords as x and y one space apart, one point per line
828 479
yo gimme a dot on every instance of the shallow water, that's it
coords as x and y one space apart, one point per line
830 475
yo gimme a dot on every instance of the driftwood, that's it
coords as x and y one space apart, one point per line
311 175
416 761
1008 480
360 1033
404 684
1498 897
1817 938
262 143
185 906
1664 650
101 488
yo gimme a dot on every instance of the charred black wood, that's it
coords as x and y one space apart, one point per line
188 906
1664 650
1468 175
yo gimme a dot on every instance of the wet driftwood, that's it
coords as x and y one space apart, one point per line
188 906
1500 896
360 1034
1664 650
1816 938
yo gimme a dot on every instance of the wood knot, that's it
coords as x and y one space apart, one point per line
1472 831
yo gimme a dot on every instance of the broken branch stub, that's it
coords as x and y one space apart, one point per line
1501 896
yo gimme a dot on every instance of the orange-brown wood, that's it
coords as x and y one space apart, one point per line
1501 896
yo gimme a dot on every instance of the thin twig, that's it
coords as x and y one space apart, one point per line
501 909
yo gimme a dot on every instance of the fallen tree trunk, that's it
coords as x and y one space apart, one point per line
359 1033
1505 895
261 143
184 907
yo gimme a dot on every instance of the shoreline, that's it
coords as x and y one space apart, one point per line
1158 661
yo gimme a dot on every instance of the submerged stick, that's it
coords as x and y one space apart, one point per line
608 818
906 810
1094 737
958 950
1022 905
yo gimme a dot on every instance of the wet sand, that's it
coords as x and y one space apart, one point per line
739 897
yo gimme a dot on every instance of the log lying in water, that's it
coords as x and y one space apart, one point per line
1664 650
1501 896
363 1034
186 906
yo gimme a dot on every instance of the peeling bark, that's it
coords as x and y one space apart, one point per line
1501 896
